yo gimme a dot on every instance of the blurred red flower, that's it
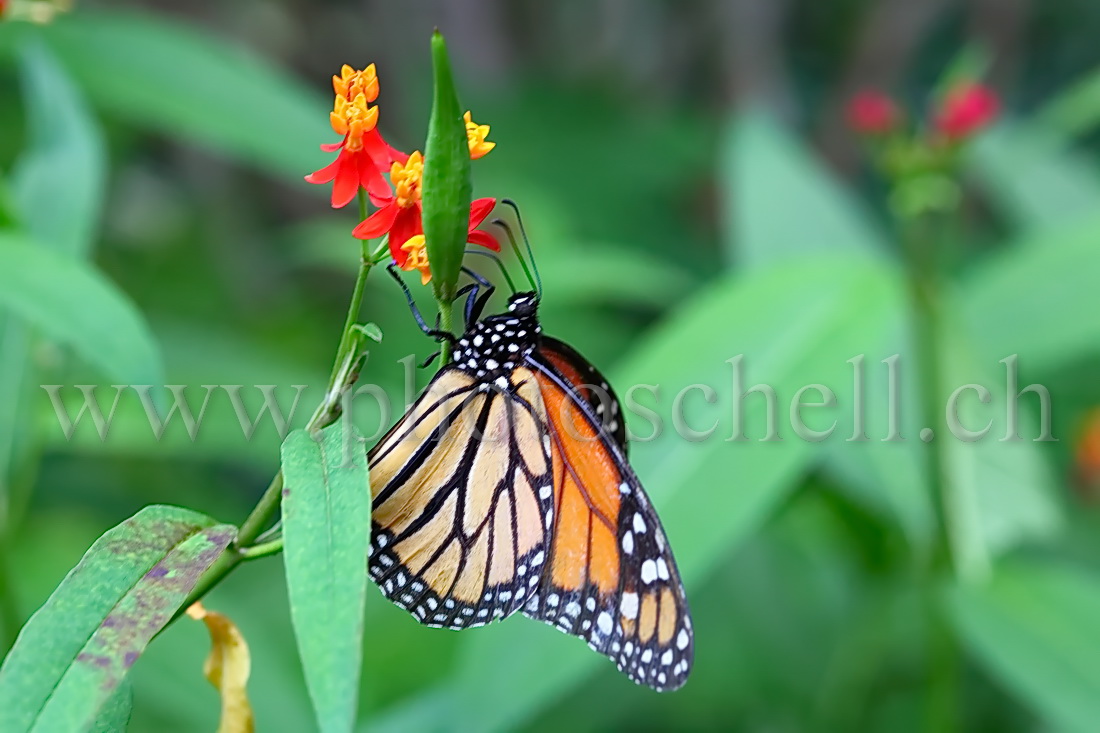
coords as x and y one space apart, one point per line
871 112
1087 456
966 108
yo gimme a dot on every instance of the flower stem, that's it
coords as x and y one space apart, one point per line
263 549
262 513
921 239
362 199
446 318
922 252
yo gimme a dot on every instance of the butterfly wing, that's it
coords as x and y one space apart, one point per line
611 578
462 500
589 383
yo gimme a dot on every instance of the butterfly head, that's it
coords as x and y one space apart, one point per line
492 347
524 305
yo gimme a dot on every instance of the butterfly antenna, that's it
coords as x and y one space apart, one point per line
515 248
526 242
500 264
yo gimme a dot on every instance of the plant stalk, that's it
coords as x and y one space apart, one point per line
446 321
921 239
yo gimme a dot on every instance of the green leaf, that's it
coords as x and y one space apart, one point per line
1049 331
1003 491
1034 628
781 204
711 493
1032 177
74 304
114 716
191 83
60 180
888 477
56 195
446 190
326 527
76 650
1075 110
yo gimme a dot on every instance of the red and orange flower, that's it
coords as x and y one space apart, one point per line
400 217
363 153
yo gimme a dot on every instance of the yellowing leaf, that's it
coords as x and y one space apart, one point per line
227 668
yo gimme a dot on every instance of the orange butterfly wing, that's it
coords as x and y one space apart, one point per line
610 578
590 384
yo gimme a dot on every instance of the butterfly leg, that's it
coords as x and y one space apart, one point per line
470 291
475 303
436 333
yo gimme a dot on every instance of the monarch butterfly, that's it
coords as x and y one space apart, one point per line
505 487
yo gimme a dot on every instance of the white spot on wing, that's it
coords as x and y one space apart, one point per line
662 569
629 606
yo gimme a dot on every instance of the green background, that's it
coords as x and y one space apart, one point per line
692 194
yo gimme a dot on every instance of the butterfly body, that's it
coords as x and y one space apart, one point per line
506 487
493 346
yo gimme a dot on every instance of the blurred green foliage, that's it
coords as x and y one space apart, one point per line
154 222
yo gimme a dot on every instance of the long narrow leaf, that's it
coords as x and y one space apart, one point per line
326 526
1032 177
780 203
73 303
76 650
1034 628
192 84
59 181
1048 331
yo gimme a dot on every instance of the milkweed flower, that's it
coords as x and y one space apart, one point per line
966 108
475 135
871 112
399 215
363 153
